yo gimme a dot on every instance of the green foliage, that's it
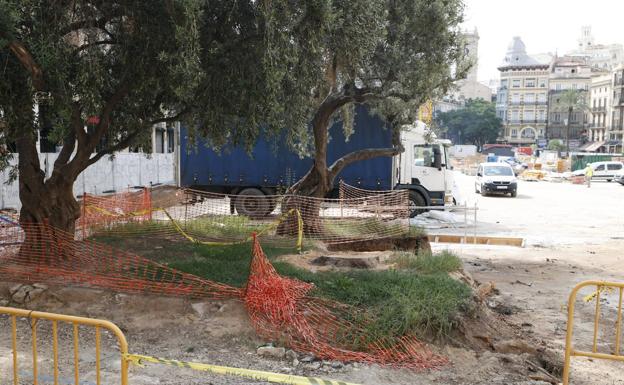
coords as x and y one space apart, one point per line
398 301
427 263
476 124
570 101
556 145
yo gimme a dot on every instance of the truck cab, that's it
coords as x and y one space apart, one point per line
423 168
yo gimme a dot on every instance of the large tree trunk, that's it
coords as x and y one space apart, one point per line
49 209
319 180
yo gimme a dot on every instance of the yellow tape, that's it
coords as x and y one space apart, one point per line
179 229
258 375
601 289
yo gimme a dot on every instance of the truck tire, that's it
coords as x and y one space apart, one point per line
416 200
252 202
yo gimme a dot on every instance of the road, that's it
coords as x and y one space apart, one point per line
573 233
550 214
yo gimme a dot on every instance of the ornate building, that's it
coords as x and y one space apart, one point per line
522 98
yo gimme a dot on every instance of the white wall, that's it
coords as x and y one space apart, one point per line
463 150
125 169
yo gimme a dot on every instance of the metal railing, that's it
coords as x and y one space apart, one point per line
76 322
570 351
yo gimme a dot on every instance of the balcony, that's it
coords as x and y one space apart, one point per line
531 103
599 109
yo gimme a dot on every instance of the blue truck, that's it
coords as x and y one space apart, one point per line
272 167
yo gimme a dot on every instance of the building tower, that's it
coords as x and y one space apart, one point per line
472 53
587 39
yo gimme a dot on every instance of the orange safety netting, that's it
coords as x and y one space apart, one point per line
280 308
220 218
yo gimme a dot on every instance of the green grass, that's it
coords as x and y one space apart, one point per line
400 301
358 228
427 263
417 296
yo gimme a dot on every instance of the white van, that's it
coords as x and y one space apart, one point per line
604 170
496 178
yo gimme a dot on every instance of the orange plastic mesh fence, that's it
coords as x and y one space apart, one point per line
220 218
41 253
280 308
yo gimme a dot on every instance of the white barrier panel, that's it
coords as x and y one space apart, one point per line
106 175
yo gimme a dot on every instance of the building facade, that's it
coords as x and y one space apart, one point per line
568 73
616 134
601 107
522 98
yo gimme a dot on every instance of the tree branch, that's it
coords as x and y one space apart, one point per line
77 125
124 143
357 156
108 108
28 62
69 144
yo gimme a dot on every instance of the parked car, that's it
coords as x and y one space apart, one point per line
620 179
496 178
604 170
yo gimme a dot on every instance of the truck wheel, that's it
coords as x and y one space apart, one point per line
252 202
416 200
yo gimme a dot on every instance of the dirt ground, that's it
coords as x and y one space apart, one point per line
573 234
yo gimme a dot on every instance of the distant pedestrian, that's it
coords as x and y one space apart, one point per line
589 173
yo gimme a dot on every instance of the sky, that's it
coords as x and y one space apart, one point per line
544 26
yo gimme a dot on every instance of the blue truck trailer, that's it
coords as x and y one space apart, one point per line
272 167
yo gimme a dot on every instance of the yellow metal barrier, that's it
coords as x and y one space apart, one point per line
601 287
98 324
125 357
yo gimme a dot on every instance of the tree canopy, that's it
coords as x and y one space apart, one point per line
476 124
225 68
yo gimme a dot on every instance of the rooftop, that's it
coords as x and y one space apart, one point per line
517 57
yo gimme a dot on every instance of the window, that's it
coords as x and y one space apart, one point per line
614 166
542 115
529 83
514 133
541 97
528 133
497 171
574 86
515 98
515 116
423 156
542 83
557 117
529 98
558 87
600 168
529 115
516 83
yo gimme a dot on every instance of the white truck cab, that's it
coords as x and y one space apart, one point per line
423 168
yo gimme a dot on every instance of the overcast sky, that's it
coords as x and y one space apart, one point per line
544 26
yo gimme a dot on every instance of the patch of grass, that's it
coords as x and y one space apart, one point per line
418 298
399 301
223 226
358 228
416 231
427 263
